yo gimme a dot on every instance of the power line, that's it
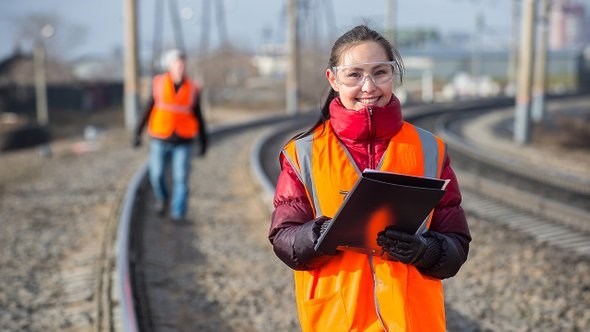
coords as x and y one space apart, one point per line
206 22
221 26
204 44
175 18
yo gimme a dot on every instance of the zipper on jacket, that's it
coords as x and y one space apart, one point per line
371 138
377 309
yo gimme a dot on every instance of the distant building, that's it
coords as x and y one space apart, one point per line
271 60
568 24
18 70
95 69
68 87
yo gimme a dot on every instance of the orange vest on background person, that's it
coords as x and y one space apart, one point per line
353 291
173 110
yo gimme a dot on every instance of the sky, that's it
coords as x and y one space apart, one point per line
95 27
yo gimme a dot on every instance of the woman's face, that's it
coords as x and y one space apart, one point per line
361 77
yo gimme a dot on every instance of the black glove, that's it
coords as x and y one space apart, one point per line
320 228
306 238
136 141
418 250
324 226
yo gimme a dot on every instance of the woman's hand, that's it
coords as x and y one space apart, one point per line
403 247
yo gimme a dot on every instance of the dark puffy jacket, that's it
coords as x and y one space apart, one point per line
366 140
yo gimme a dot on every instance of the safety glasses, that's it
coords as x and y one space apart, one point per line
357 74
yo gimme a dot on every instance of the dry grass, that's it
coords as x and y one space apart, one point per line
566 131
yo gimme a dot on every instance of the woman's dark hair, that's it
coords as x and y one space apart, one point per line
353 37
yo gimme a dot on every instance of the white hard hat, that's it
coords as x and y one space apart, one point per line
172 55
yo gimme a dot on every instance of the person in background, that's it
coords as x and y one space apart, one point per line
361 127
174 118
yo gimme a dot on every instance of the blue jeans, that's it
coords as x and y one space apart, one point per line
161 153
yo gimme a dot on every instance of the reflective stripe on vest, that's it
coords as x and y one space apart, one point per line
172 111
431 153
339 294
173 107
303 154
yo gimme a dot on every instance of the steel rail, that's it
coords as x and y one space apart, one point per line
510 164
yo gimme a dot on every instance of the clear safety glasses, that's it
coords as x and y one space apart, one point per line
357 74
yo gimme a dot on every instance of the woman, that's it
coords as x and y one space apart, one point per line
361 127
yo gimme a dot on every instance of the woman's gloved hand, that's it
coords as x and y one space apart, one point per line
418 250
320 227
306 238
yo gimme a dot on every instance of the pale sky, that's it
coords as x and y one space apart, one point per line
102 20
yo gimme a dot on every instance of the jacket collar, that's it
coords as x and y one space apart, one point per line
383 123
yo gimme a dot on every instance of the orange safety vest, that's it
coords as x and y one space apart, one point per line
353 291
172 111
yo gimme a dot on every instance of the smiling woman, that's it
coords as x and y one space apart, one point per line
361 127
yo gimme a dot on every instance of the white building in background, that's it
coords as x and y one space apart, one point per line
98 69
568 24
271 60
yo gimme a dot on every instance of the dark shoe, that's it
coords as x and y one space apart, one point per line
161 208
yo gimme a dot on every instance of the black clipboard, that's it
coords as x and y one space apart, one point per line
378 200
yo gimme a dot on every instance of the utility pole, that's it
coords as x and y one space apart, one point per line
309 34
476 51
538 109
522 117
40 84
221 26
513 52
391 20
330 19
292 92
205 13
131 80
156 64
41 93
40 65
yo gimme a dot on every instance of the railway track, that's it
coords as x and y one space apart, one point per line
547 204
176 287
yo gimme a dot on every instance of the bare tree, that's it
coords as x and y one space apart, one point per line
65 36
